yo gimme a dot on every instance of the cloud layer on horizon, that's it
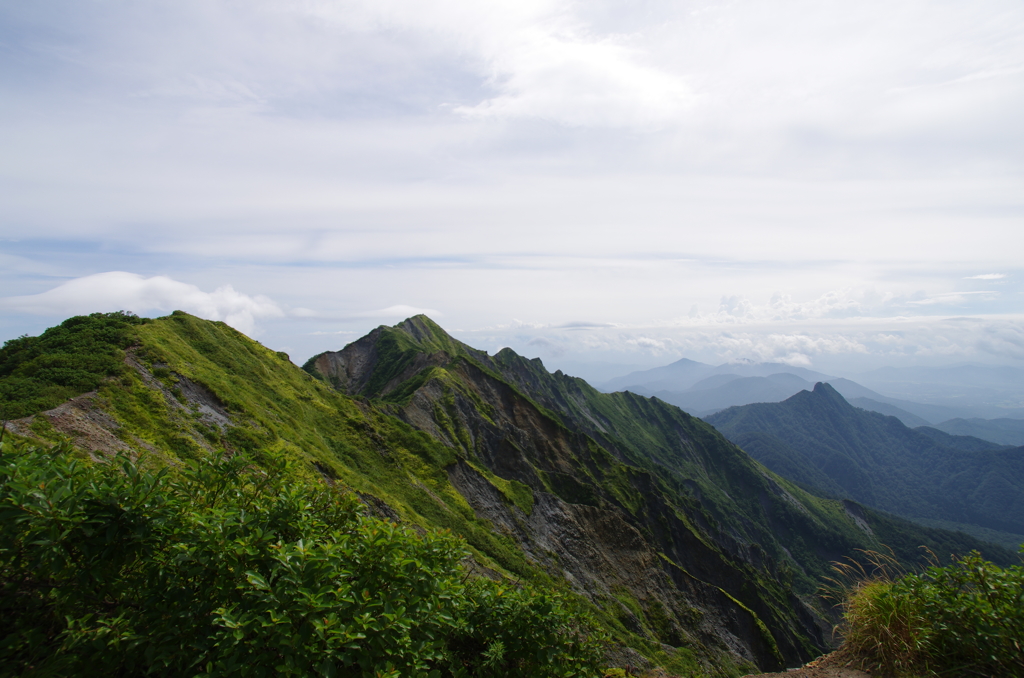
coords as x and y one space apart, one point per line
866 332
693 168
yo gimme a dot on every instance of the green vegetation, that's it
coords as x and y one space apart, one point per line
38 373
229 569
728 542
821 441
964 619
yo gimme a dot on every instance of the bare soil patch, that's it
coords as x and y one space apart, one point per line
839 664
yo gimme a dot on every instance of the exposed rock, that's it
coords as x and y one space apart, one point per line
639 559
83 421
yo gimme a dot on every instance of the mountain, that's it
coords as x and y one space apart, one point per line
688 552
720 391
878 461
686 374
1002 431
703 389
909 420
681 375
917 396
956 442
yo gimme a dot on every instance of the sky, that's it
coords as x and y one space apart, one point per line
601 184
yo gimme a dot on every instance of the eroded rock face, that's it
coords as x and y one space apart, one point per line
86 419
690 586
87 425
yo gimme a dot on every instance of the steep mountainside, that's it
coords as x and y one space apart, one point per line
703 521
876 460
687 550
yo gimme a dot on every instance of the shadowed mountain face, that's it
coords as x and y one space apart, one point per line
819 439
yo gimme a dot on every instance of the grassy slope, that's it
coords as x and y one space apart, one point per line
277 409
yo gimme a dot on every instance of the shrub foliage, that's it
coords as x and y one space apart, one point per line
964 619
225 569
39 373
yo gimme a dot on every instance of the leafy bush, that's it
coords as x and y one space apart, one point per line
224 569
39 373
965 619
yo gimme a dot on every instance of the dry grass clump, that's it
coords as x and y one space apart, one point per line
964 619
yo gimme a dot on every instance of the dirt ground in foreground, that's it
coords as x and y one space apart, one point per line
835 665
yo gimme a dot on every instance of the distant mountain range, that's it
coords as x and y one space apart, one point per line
703 389
684 374
988 391
1002 431
818 439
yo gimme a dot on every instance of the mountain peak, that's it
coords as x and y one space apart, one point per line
824 388
428 336
823 392
421 327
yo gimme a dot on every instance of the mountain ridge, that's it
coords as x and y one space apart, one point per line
690 553
877 460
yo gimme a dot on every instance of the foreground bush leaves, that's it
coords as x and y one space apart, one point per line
965 619
223 569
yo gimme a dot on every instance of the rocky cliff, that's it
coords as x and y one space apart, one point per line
645 510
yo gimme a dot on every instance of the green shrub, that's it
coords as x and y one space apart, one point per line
963 619
225 569
39 373
505 630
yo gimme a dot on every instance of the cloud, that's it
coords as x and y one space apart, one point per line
578 81
583 325
1003 340
950 298
539 59
397 312
792 349
648 343
119 290
986 276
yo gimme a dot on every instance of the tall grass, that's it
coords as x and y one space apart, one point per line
963 619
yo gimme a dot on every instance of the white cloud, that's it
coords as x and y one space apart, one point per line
348 154
1003 340
540 58
952 298
580 82
655 345
118 290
